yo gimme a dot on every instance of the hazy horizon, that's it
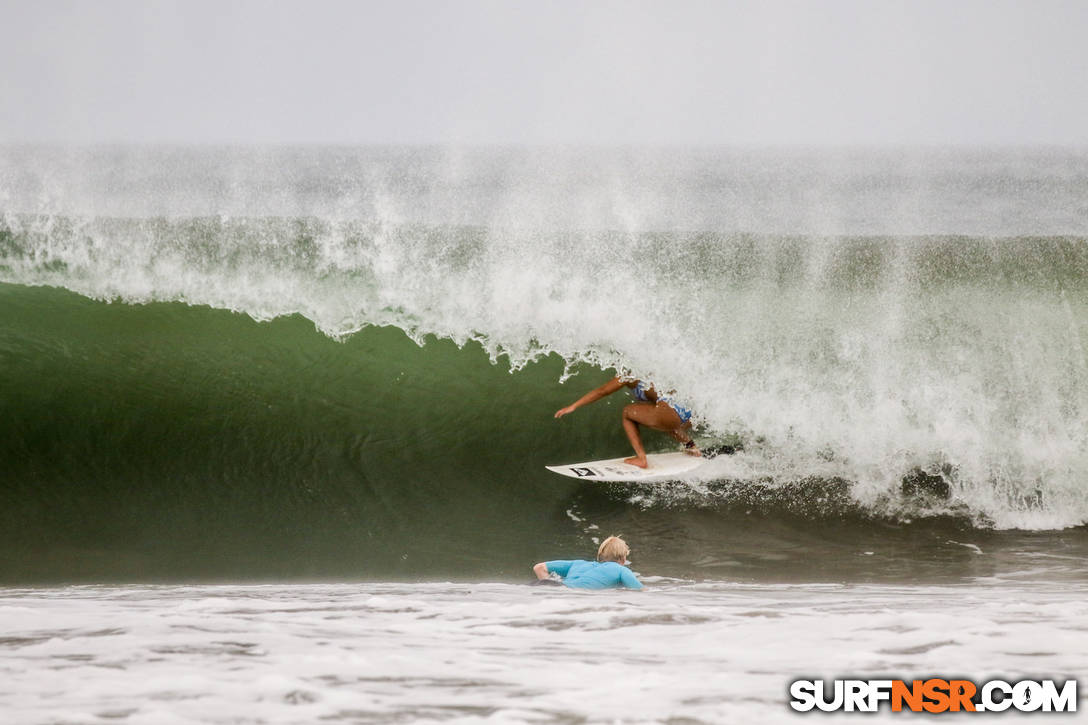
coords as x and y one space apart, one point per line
785 73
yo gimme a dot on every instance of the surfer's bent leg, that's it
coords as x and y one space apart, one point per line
683 436
658 416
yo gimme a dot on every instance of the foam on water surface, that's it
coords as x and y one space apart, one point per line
711 652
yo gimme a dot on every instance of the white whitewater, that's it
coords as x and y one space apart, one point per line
476 653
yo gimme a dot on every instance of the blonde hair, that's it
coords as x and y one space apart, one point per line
613 549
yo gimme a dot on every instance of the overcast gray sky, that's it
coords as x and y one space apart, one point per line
412 71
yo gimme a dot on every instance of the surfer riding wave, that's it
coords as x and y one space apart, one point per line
649 409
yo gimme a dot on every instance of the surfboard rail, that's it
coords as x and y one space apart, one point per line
663 467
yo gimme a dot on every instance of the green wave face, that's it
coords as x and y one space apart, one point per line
170 441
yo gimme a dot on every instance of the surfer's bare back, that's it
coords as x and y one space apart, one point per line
649 409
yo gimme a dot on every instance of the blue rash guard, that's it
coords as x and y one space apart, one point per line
579 574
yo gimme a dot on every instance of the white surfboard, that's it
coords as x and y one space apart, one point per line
663 467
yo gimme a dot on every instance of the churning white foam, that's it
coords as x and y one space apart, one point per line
507 653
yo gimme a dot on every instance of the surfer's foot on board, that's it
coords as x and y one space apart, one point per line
636 461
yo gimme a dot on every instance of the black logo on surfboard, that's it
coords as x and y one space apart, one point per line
583 472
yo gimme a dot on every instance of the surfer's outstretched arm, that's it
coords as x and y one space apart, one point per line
592 396
541 570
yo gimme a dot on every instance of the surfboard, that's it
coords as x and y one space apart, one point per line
663 467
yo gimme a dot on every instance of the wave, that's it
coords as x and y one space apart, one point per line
871 360
346 360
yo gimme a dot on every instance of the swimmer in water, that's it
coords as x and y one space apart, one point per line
649 409
610 570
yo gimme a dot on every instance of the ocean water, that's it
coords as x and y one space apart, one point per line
494 652
275 421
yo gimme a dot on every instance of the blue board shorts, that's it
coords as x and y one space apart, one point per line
684 413
639 392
